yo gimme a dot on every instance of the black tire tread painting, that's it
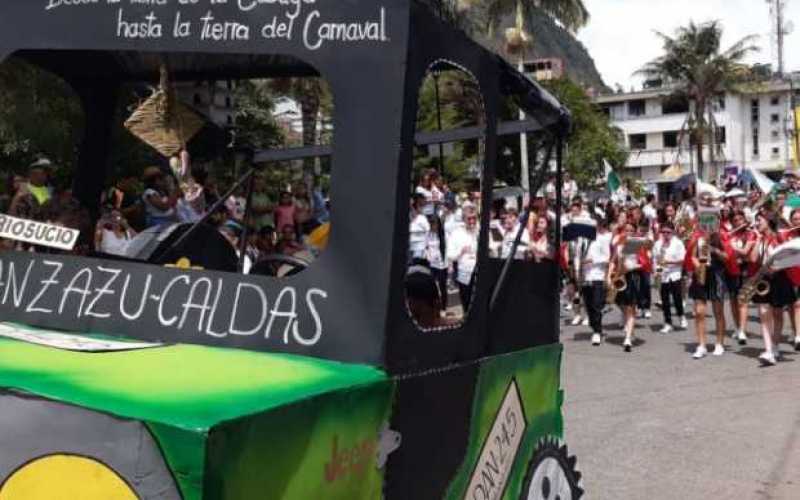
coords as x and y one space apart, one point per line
548 460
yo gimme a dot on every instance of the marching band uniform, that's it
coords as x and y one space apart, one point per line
713 290
633 278
793 273
629 297
596 263
645 273
670 257
742 243
766 244
782 285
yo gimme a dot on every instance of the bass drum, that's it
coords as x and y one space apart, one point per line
205 248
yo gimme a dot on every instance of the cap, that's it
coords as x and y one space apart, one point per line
41 163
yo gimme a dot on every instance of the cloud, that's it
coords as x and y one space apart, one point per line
620 35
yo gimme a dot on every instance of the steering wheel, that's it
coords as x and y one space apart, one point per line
279 265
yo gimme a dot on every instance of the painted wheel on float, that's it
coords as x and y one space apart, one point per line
552 474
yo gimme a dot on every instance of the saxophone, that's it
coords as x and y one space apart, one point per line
704 258
616 281
757 284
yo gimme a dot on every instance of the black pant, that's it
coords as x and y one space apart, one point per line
441 283
594 299
672 292
465 293
645 291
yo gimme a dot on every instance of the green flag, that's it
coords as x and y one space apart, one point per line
613 182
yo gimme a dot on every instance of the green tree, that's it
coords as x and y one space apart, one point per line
315 100
460 104
572 14
40 115
695 66
593 138
255 123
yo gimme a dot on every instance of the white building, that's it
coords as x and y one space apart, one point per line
755 129
215 100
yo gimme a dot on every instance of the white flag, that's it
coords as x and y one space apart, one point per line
787 255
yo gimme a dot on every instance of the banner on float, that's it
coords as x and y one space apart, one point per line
38 233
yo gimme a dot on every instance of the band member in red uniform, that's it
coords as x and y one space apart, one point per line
645 271
742 242
625 266
708 258
767 302
793 276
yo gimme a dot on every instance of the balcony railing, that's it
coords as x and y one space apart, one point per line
663 157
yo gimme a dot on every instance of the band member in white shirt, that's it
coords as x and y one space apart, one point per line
669 253
595 276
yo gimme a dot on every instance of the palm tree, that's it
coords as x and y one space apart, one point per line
694 65
572 14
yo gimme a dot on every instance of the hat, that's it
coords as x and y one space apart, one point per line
41 163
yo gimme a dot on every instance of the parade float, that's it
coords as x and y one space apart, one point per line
144 378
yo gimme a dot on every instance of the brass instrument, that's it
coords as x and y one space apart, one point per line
742 228
616 281
703 259
757 284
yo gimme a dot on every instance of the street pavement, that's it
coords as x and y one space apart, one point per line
657 424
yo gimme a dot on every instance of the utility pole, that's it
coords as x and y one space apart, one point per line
779 29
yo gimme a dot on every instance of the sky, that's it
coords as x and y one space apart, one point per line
620 34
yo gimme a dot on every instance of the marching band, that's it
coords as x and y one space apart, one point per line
712 253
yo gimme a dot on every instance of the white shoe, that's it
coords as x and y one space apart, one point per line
666 329
597 339
585 322
568 307
741 337
648 315
700 352
719 350
767 358
796 343
576 320
627 344
684 323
